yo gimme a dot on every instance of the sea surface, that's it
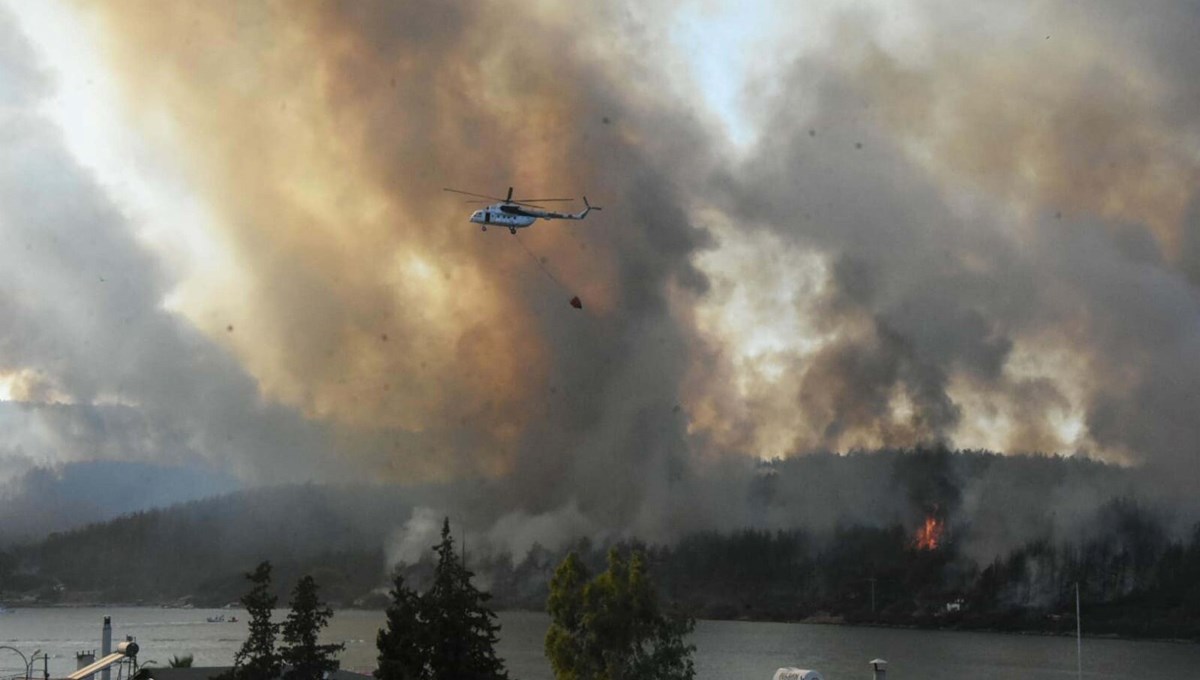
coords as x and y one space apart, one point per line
724 649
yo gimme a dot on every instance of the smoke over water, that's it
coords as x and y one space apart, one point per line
976 226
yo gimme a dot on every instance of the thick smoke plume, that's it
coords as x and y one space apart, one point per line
977 228
1001 235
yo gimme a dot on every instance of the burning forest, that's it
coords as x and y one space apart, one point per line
798 329
786 551
929 535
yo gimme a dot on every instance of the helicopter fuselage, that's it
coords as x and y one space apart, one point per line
514 215
503 215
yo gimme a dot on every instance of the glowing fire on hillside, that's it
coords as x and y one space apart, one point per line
929 536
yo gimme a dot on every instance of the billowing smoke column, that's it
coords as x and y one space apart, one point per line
1002 235
353 293
980 230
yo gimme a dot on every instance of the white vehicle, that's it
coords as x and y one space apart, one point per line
518 214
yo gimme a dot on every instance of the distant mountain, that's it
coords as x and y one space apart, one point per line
43 500
199 550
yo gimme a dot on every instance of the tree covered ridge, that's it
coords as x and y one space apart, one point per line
822 531
1135 578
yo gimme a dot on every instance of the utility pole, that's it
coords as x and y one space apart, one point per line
1078 637
872 580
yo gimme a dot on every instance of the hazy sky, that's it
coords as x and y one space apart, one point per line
826 225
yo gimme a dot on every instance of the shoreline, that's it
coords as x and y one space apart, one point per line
1029 632
809 621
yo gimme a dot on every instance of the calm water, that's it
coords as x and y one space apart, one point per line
723 649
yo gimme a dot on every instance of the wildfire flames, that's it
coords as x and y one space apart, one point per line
929 536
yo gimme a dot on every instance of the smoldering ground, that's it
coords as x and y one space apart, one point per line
996 245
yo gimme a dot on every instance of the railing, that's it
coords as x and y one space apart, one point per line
26 670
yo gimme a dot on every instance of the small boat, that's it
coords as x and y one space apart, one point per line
216 619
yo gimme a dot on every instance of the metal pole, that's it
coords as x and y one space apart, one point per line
106 645
33 660
872 595
1078 636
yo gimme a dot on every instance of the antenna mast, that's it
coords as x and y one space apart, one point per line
1078 636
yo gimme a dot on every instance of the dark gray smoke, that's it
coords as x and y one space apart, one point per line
995 230
1015 224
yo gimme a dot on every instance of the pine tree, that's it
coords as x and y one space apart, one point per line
257 659
462 631
403 649
306 659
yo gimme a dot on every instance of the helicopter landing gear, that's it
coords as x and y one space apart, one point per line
512 230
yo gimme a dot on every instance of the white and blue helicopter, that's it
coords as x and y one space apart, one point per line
518 214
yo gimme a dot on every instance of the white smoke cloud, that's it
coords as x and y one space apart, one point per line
416 539
517 532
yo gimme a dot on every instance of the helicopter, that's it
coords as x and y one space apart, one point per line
518 214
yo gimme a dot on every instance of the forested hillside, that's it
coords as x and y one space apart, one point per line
954 539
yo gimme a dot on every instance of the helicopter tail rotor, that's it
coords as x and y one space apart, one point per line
587 208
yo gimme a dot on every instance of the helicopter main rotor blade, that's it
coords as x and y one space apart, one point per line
468 193
530 202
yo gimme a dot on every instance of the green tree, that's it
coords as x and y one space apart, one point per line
566 638
448 633
461 629
257 659
403 649
307 659
611 627
177 661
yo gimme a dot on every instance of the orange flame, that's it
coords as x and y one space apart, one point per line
930 535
